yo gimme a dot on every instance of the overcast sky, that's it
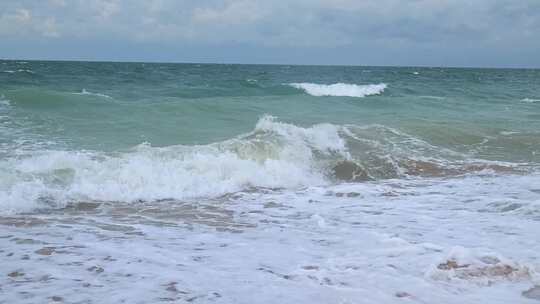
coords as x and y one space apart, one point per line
493 33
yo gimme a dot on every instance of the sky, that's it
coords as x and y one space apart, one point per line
481 33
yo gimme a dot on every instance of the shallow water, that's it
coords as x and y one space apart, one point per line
148 183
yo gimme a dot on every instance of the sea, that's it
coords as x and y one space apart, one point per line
227 183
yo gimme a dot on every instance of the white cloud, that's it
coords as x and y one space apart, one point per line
292 22
280 23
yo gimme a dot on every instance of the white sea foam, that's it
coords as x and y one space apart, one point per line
274 155
85 92
479 267
397 233
531 100
340 89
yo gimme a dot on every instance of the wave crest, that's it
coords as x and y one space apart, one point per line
274 155
340 89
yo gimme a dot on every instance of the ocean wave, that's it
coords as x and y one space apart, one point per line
19 71
274 155
4 101
340 89
531 100
431 97
85 92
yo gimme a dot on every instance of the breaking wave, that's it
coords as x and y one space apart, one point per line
274 155
340 89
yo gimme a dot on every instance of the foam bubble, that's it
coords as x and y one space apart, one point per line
340 89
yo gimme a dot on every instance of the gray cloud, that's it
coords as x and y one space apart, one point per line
356 31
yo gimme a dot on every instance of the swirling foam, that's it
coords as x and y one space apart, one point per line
340 89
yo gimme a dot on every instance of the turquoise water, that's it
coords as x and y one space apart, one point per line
169 104
370 122
148 183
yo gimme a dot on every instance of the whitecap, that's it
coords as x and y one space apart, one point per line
432 97
19 71
85 92
531 100
506 133
340 89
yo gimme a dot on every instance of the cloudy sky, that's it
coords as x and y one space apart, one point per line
492 33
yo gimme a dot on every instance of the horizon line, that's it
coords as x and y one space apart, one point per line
270 64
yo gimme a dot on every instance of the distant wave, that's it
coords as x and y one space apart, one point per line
506 133
340 89
85 92
431 97
530 100
4 101
19 71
